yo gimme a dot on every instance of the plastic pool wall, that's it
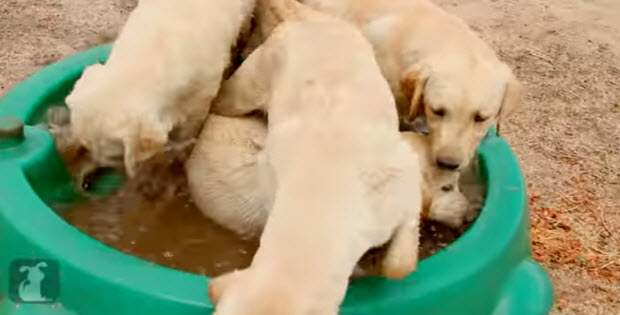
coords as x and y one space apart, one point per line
488 270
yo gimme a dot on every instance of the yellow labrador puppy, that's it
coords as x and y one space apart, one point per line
163 72
341 177
222 173
437 67
223 177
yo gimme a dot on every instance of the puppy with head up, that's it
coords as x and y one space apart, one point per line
163 72
437 67
342 179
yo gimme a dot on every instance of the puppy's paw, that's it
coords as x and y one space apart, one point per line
359 272
450 208
402 255
214 290
218 285
398 266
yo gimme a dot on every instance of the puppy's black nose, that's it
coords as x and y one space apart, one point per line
448 163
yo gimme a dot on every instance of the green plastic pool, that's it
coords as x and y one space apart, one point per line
488 270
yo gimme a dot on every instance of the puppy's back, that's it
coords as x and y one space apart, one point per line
222 173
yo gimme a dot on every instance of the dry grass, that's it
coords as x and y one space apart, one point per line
567 136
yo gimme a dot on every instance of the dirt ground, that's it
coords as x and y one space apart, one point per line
567 136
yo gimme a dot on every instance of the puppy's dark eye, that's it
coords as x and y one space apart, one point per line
479 118
439 112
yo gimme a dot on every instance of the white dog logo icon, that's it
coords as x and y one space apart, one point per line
30 288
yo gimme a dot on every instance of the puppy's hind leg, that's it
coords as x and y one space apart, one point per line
248 88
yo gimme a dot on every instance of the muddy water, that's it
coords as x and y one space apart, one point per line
153 217
171 233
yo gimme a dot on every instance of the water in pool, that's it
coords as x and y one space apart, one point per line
166 228
154 218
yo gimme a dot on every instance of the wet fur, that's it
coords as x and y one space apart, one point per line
163 72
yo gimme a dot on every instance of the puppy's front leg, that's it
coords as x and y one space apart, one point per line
248 89
402 253
451 208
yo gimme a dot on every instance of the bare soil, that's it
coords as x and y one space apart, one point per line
567 135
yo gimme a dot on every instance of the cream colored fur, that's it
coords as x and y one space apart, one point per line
442 198
163 72
342 178
222 173
435 63
223 177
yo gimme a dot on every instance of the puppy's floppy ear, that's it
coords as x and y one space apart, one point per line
148 141
412 86
512 100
